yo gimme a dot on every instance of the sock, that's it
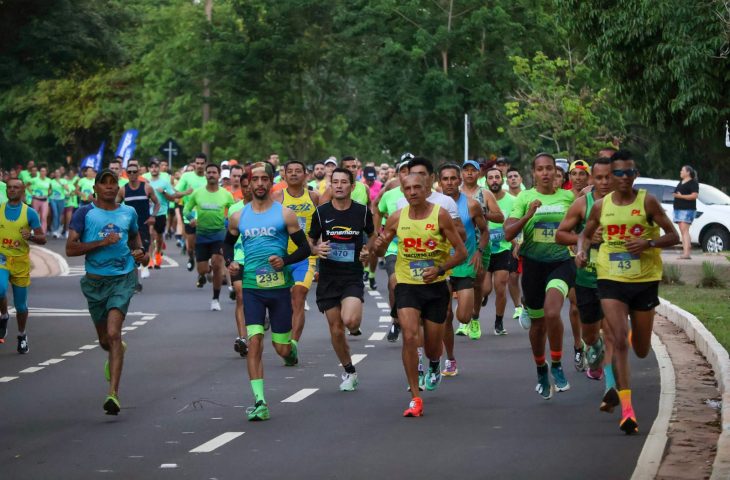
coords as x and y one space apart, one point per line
542 369
367 270
434 366
474 317
216 293
626 408
555 364
371 274
498 319
610 381
539 360
22 334
349 368
258 389
555 356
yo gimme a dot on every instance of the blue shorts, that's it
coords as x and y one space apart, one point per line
684 216
303 272
256 301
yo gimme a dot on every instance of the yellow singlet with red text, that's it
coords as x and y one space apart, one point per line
420 245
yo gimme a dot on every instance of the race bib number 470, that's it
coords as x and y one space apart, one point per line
342 252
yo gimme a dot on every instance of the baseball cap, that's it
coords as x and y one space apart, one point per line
472 163
224 164
402 164
100 176
225 174
580 165
562 163
369 173
407 156
501 160
330 161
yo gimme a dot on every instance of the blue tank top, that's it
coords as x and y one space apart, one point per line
263 234
465 269
137 199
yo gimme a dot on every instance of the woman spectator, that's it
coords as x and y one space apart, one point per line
685 206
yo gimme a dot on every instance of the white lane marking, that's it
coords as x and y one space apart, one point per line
168 465
385 318
384 326
373 293
172 263
139 322
377 336
300 395
72 353
329 375
62 263
187 433
217 442
7 379
87 347
148 317
217 418
357 358
127 329
32 369
51 361
383 305
369 346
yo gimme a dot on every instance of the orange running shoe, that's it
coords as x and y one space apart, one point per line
158 260
415 408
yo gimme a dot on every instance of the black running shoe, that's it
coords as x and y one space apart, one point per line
373 285
23 344
241 346
157 267
4 327
201 281
189 265
393 332
484 301
356 333
365 276
232 295
610 400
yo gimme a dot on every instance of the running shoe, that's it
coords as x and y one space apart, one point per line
373 285
499 329
629 424
610 400
518 312
543 387
484 301
349 382
594 373
579 357
415 408
138 288
475 330
145 273
450 369
158 261
23 344
524 319
215 305
259 412
306 305
463 330
595 353
4 327
189 265
561 384
111 405
107 372
231 293
393 332
201 281
241 346
433 378
355 333
293 358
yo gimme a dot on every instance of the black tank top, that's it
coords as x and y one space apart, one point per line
137 199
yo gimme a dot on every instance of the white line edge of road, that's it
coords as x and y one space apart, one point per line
216 442
718 357
62 263
652 452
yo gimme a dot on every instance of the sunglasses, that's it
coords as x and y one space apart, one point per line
629 172
132 171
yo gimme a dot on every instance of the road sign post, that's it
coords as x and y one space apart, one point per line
171 149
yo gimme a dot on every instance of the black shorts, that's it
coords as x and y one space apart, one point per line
538 275
461 283
160 222
432 299
331 289
204 251
189 230
589 304
500 261
515 265
276 301
144 235
390 264
641 296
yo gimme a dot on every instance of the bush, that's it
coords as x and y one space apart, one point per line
672 275
709 276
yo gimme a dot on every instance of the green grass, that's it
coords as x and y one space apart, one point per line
710 305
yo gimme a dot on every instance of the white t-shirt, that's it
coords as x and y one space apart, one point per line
437 198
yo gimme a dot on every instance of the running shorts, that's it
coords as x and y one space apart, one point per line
500 261
277 301
18 269
390 265
640 296
105 293
461 283
541 276
160 222
189 230
432 299
331 289
205 251
303 272
589 304
516 265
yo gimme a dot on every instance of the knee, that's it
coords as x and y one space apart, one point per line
410 337
114 337
620 342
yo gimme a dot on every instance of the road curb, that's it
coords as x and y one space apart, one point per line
51 256
718 357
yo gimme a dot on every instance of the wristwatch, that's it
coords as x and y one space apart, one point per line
441 272
652 244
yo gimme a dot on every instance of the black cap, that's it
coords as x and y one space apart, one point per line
100 176
370 173
503 160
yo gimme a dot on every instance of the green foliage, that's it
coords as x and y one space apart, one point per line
710 278
672 275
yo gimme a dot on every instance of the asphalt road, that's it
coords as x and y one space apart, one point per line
183 386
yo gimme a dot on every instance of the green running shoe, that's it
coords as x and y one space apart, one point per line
463 330
107 371
561 384
293 358
518 312
111 405
258 412
595 353
543 387
433 378
475 330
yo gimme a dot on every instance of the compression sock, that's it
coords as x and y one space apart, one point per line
556 356
542 369
610 381
258 389
216 293
626 408
539 360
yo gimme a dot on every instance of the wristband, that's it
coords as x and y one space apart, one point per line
441 272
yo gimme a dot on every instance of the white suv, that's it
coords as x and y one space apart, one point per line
711 226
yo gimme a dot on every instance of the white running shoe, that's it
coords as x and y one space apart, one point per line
524 319
349 382
306 306
215 306
144 272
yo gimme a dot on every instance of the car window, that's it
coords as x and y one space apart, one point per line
655 190
667 194
710 195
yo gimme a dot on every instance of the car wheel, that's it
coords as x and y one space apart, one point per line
716 240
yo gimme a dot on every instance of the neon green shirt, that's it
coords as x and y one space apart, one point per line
39 186
539 232
86 188
3 192
58 189
497 243
211 209
388 205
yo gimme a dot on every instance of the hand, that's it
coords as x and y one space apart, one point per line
581 259
476 261
430 274
534 205
188 191
139 256
234 267
516 251
379 241
160 190
111 239
364 254
25 234
150 221
636 245
276 262
323 249
193 223
676 195
597 236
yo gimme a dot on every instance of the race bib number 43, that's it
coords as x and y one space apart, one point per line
342 252
544 232
417 267
267 277
624 264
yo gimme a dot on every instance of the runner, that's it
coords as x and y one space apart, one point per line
537 212
342 226
40 189
317 176
514 182
165 194
240 345
206 212
501 260
57 202
303 202
107 235
424 230
20 226
72 199
265 226
188 183
461 279
629 268
85 187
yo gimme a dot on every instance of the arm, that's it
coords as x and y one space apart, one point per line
513 226
278 196
494 213
656 214
120 195
314 196
188 209
584 242
566 231
475 210
326 195
448 229
387 235
229 243
297 236
369 229
153 198
134 243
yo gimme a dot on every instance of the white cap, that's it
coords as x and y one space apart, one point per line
226 174
562 163
331 160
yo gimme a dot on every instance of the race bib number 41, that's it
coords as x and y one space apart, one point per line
544 232
417 267
267 277
624 264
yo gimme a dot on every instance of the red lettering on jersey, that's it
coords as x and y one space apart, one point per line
430 226
417 245
636 230
635 212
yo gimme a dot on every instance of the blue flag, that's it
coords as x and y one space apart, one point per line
89 161
126 146
98 157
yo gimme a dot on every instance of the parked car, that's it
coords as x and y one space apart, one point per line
711 226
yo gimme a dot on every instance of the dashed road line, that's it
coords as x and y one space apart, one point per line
7 379
72 353
384 319
358 357
377 336
32 369
87 347
303 393
383 305
216 442
52 361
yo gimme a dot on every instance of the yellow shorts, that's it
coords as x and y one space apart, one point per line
19 268
303 272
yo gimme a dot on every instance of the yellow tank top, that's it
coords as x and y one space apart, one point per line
420 245
12 243
304 208
621 223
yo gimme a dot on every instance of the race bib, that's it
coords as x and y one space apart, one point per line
544 232
496 235
624 264
342 252
267 277
302 223
417 267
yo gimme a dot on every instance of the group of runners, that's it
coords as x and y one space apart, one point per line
451 234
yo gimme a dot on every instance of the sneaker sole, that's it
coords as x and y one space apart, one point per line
562 389
449 374
629 426
412 414
543 396
111 408
499 333
610 401
258 418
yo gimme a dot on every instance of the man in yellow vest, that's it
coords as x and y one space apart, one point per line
19 225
